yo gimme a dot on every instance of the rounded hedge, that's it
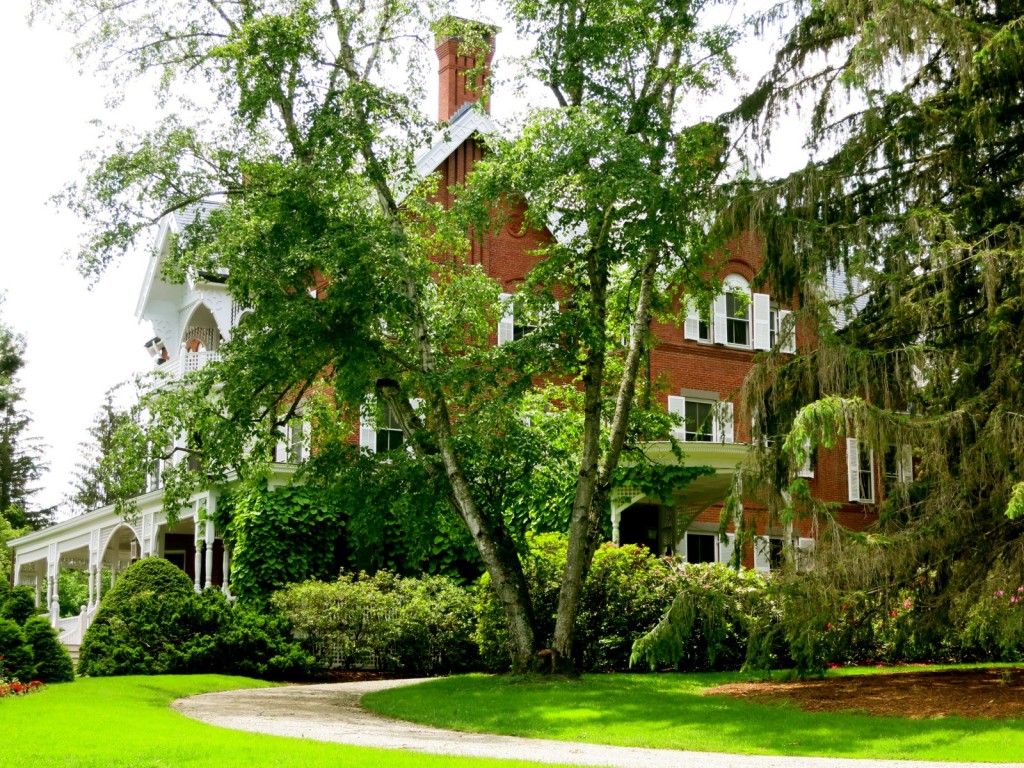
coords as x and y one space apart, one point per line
53 664
19 605
153 622
16 660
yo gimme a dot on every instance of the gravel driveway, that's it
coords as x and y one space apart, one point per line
332 713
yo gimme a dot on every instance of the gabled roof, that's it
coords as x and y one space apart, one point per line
464 124
173 223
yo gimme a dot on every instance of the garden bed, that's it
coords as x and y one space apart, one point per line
991 692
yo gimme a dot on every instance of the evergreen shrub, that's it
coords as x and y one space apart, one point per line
153 622
19 605
53 664
626 592
385 622
16 659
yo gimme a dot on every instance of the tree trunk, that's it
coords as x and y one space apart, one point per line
496 548
595 480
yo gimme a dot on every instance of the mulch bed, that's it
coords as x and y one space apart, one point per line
976 693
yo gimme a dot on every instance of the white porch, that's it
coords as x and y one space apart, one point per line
102 544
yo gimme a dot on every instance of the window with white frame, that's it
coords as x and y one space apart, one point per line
860 465
519 321
702 545
769 553
702 420
381 431
810 460
741 319
697 326
899 464
295 441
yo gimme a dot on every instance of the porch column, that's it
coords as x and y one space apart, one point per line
225 570
210 537
39 588
197 538
53 584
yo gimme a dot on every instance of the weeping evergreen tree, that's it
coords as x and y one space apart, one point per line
902 237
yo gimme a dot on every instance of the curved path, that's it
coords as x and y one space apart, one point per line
332 712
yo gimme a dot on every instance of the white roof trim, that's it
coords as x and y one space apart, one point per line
474 121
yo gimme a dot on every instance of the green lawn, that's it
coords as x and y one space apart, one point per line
668 711
127 723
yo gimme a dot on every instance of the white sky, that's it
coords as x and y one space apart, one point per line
80 341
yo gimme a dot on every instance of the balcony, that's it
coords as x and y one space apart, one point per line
187 362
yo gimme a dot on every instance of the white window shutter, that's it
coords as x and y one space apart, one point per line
726 548
762 554
367 431
724 423
853 468
721 327
691 327
281 449
807 470
505 324
417 404
804 554
787 332
762 320
677 406
905 458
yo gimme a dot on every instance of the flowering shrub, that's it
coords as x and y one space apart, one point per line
12 686
993 627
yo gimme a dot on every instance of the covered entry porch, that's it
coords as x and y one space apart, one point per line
684 525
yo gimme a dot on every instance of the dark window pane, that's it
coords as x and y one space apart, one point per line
700 548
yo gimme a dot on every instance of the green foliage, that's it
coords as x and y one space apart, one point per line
902 237
22 459
409 625
19 605
152 622
277 537
53 664
993 628
74 590
16 658
624 595
719 618
93 487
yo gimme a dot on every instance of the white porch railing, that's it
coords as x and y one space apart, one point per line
71 630
187 362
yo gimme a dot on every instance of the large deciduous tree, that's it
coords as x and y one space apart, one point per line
310 159
904 235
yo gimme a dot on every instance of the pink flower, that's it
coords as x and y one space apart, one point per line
1013 599
999 593
894 613
1020 589
906 605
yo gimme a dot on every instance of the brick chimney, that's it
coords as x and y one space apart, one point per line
453 91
